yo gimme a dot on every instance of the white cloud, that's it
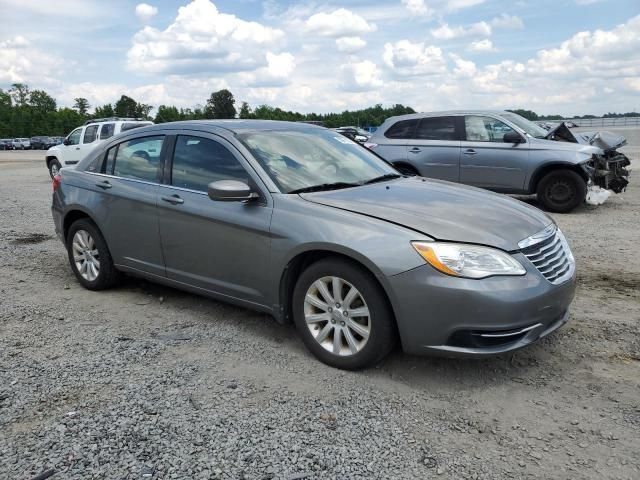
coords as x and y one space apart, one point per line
201 39
482 46
145 12
350 44
405 58
338 23
418 7
506 21
463 68
22 62
277 73
445 32
453 5
360 76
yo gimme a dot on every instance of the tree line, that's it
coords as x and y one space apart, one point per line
26 113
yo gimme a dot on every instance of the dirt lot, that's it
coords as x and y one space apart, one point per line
149 382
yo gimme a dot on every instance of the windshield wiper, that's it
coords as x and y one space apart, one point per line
382 178
325 186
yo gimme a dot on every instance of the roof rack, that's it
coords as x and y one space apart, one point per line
113 119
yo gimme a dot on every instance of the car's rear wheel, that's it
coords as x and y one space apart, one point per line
561 190
54 167
342 315
89 256
407 170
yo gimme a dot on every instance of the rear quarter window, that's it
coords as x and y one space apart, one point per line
402 129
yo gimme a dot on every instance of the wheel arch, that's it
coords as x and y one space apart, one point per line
301 260
541 171
404 163
72 215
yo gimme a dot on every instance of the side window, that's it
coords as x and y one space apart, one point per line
199 161
111 160
90 133
139 158
96 164
402 129
436 128
485 129
106 130
74 137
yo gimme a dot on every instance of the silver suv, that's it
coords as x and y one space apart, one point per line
504 152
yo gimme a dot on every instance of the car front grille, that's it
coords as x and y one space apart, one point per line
552 258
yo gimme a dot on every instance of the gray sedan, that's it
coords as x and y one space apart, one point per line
304 224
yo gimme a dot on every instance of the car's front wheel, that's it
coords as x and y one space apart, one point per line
54 167
342 315
89 256
561 190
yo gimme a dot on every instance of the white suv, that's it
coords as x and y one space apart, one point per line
85 138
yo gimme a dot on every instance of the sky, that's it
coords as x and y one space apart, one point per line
567 57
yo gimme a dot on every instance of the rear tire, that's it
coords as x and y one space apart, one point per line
89 256
54 167
342 315
407 170
561 191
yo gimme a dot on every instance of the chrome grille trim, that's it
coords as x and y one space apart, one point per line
551 256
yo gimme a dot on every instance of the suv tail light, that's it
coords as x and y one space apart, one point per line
56 182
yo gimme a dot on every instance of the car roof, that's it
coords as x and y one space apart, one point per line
232 125
444 113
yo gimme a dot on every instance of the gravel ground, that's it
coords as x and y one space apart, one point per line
145 381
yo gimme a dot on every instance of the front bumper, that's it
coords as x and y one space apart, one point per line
444 315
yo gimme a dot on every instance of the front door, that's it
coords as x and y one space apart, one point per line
221 247
71 152
435 148
487 161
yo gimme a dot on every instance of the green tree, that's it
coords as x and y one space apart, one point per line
220 105
42 101
245 111
19 94
105 111
126 107
167 113
81 105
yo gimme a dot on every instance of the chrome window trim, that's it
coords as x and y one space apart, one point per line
123 178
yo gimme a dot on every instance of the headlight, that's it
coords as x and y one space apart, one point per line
469 261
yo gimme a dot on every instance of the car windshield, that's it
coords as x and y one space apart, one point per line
305 159
528 126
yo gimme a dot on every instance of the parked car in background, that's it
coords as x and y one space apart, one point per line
504 152
6 144
85 138
40 143
21 144
354 133
298 222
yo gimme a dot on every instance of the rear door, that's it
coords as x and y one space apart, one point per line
392 144
487 161
435 148
221 247
127 191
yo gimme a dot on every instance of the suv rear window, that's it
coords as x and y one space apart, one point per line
402 129
436 128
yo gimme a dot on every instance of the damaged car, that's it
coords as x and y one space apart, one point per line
504 152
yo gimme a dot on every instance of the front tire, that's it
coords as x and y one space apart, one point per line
89 256
342 315
561 190
54 167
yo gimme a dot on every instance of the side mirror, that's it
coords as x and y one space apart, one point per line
512 137
231 191
66 141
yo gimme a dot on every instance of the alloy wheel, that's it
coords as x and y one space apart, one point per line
337 316
85 255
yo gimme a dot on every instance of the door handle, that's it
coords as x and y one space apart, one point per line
415 150
470 151
106 184
173 199
77 148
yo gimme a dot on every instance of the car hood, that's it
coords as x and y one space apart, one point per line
441 210
605 141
